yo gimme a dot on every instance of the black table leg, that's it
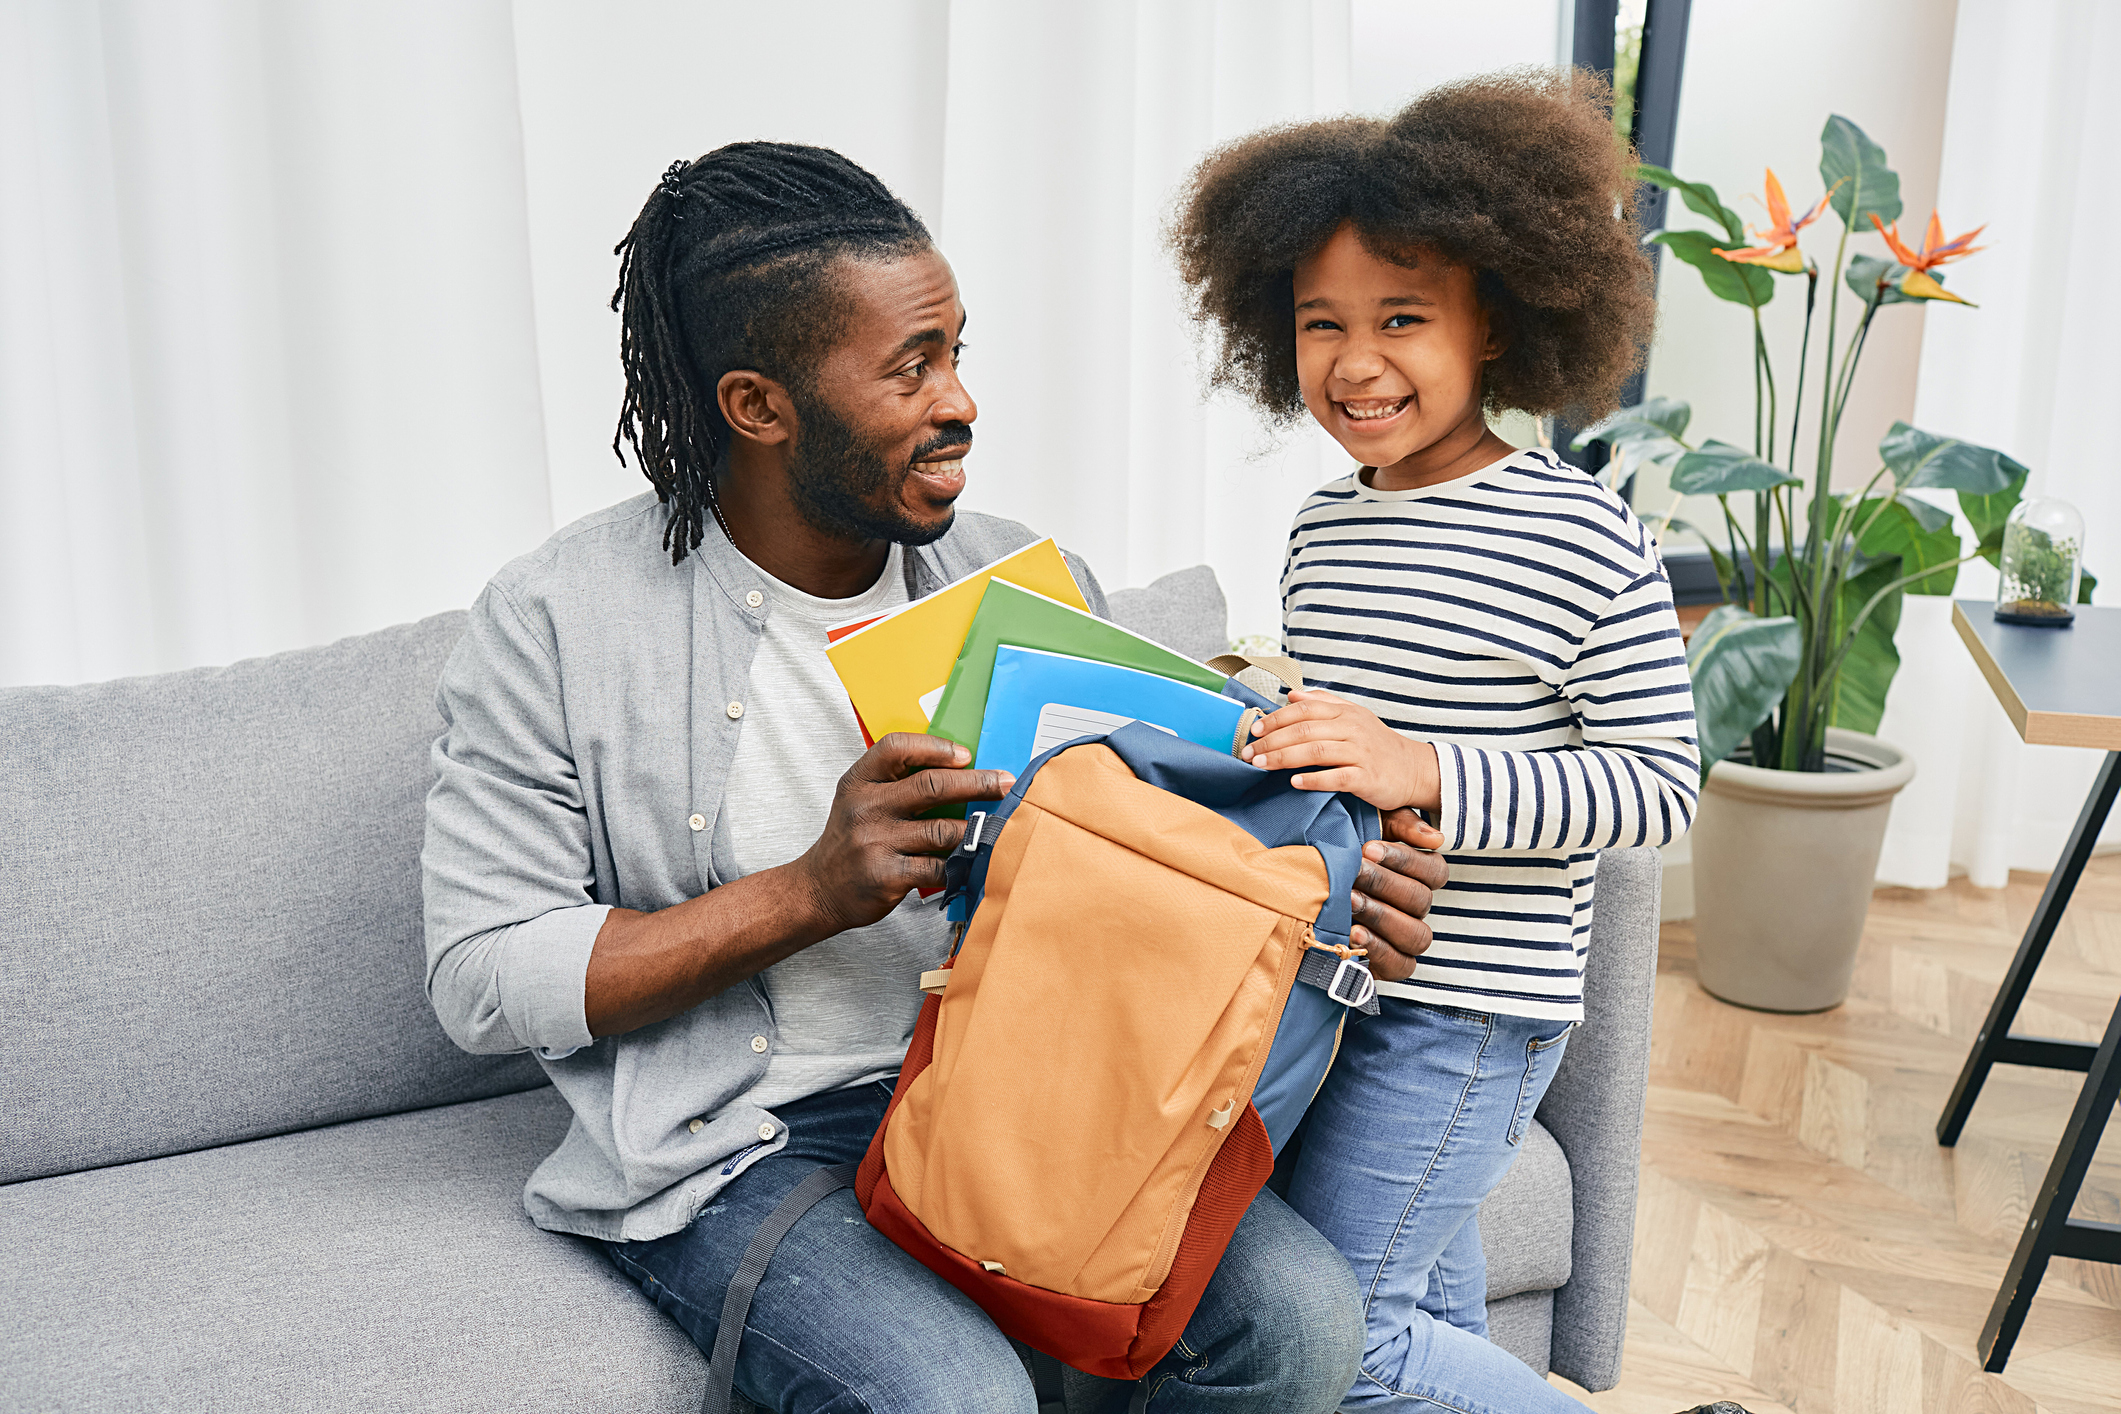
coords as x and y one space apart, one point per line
1996 1044
2049 1232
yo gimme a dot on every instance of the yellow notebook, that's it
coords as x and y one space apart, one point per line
896 667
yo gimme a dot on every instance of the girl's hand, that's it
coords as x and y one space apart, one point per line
1351 748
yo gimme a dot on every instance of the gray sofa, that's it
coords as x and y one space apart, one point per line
242 1168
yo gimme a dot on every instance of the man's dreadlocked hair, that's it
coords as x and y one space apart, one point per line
727 267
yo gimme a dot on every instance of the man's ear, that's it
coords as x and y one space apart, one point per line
756 407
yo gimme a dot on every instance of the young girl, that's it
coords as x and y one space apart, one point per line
1494 626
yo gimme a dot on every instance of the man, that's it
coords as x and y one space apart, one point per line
659 857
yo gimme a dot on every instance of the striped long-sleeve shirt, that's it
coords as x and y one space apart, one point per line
1520 619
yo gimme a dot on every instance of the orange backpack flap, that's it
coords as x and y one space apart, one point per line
1073 1139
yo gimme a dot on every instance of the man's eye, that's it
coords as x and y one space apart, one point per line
957 354
914 369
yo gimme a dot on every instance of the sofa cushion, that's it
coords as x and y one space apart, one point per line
213 925
1185 611
380 1265
1524 1326
1527 1224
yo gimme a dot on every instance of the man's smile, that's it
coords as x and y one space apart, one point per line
943 478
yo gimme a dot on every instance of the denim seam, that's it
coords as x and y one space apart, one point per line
1385 1260
1533 1047
1434 1399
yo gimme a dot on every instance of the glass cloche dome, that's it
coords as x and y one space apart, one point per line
2043 559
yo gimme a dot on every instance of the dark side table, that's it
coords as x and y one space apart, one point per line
2061 687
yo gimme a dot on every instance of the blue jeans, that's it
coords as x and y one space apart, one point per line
846 1323
1419 1119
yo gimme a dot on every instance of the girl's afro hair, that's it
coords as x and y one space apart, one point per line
1517 174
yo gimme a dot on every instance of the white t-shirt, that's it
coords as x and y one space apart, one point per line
844 1007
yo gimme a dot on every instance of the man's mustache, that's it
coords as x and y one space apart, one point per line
956 434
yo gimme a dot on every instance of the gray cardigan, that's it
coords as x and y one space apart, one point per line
589 725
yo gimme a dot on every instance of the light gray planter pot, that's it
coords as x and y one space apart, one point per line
1783 866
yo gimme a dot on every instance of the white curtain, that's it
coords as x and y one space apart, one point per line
302 302
267 368
2031 128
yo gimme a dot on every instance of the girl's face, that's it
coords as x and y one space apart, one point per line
1389 356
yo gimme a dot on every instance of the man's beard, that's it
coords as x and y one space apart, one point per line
835 478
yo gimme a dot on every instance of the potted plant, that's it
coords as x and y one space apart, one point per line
1790 672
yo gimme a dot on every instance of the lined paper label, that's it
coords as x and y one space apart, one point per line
1059 722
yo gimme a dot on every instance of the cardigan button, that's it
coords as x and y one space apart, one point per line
698 822
754 599
766 1130
735 710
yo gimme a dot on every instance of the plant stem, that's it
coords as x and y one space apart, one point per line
1862 615
1799 597
1737 539
1804 353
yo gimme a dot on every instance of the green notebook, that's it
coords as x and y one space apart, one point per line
1016 616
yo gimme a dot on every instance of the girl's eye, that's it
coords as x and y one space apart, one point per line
1402 321
1321 324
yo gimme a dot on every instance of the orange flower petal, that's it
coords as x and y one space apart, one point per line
1785 258
1778 205
1893 243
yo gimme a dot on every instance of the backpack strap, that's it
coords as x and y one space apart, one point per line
982 829
736 1303
1341 974
1290 674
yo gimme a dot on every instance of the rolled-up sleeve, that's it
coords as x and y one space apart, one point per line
506 867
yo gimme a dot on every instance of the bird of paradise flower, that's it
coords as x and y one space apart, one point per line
1780 252
1936 251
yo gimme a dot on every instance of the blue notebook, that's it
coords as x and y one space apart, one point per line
1038 700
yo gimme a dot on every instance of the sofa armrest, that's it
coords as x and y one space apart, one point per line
1594 1111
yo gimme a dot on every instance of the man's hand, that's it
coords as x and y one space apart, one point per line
1351 748
645 967
876 848
1393 890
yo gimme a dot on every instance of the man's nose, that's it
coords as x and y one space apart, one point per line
955 403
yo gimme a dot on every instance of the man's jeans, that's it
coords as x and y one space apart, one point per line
1419 1119
846 1323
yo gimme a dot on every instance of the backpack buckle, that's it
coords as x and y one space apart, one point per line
1352 984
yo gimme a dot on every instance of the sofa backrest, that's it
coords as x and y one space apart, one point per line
212 926
1185 611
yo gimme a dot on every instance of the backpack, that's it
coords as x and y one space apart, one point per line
1146 993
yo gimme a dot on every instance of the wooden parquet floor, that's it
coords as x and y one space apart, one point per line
1803 1245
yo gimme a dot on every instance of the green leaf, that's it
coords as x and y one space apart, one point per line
1864 273
1646 434
1726 570
1741 665
1748 285
1919 534
1987 515
1719 468
1655 417
1859 692
1918 458
1700 198
2086 582
1867 186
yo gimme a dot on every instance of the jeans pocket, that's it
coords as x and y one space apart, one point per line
1540 1058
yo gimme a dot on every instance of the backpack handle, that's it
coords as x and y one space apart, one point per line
1285 669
